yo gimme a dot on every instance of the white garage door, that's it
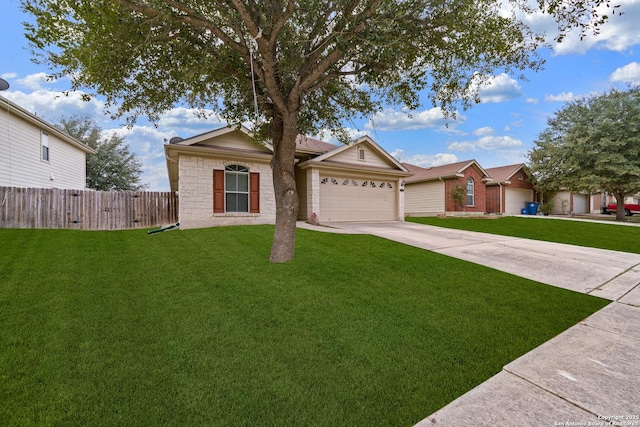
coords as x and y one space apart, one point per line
516 199
353 199
580 203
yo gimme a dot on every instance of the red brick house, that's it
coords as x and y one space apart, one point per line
509 190
428 190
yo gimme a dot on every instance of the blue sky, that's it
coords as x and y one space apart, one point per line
498 131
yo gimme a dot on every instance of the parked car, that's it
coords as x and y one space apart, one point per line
629 209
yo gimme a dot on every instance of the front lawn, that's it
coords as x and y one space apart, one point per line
196 327
582 233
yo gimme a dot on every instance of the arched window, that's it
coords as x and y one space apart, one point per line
470 188
236 188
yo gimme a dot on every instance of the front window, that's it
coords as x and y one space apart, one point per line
236 191
470 189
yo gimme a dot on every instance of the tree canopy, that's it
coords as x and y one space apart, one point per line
592 144
291 66
113 167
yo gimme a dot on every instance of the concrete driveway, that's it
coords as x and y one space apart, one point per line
587 375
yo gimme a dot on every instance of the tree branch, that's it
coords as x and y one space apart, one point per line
267 53
304 82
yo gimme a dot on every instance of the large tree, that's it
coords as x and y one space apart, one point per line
113 167
592 144
292 66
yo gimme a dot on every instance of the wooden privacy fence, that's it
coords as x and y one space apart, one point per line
85 209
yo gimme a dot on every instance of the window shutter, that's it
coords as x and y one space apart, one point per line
218 191
254 192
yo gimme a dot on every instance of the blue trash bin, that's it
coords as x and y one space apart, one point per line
533 208
524 211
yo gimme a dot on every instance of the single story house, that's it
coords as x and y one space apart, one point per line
504 190
567 202
35 154
224 177
428 190
509 190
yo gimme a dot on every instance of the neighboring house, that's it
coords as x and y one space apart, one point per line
509 190
224 177
567 202
428 190
33 153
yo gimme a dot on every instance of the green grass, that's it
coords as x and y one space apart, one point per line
595 235
196 327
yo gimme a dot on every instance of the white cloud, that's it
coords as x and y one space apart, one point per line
488 142
326 136
433 118
498 143
34 81
462 146
560 97
619 33
181 116
533 101
424 160
630 73
498 89
487 130
51 105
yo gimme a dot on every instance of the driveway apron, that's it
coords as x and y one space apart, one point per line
587 375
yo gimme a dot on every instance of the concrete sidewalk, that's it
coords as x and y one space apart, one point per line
584 375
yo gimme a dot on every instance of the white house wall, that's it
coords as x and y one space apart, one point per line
195 192
424 198
371 157
21 163
560 198
303 194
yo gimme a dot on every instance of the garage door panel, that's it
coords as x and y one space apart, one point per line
580 203
516 200
349 199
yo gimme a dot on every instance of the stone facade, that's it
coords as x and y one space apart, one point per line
195 192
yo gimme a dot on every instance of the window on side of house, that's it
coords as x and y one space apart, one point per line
236 188
470 191
361 154
44 143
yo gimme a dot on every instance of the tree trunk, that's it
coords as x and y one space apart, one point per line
284 187
620 216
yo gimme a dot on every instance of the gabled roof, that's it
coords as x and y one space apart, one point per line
197 139
17 110
315 152
452 170
327 157
304 144
503 174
